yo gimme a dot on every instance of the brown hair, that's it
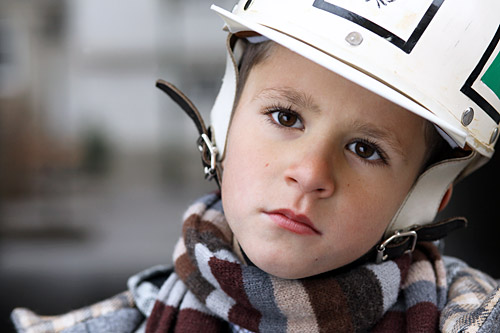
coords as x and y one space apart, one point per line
254 54
437 147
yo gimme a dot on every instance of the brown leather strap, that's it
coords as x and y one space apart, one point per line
208 155
404 242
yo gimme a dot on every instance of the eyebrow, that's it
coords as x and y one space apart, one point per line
293 96
382 134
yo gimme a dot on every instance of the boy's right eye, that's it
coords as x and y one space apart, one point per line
286 118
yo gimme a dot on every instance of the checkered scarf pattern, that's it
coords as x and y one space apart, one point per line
26 321
211 290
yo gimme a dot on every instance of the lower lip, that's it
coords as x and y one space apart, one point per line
291 225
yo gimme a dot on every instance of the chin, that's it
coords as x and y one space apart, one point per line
284 272
285 268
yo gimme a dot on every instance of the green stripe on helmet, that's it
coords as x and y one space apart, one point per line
492 76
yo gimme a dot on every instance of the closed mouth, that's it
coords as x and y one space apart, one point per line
296 223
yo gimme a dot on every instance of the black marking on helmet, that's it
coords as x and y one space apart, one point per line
467 87
383 2
406 46
247 4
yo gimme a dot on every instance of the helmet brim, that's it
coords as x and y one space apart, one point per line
236 24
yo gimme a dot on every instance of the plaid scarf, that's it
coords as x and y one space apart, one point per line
211 290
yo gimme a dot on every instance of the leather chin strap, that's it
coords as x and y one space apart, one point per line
404 242
206 146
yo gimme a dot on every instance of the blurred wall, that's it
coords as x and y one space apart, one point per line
96 164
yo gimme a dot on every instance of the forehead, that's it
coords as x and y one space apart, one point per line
284 68
285 74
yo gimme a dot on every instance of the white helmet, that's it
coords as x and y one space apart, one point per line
436 58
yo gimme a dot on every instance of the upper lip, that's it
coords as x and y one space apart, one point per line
300 218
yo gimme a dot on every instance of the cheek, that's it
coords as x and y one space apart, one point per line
246 178
249 157
369 208
243 170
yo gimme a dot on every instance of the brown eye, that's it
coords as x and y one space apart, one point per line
287 119
365 150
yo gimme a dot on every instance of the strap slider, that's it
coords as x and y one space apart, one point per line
210 172
382 256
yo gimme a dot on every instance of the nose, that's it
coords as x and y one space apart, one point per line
312 172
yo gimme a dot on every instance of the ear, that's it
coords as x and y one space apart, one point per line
446 198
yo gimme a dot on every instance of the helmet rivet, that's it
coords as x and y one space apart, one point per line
494 135
467 116
247 4
354 38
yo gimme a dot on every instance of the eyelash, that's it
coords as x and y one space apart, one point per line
281 108
383 156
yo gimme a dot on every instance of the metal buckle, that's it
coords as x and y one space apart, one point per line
209 171
381 256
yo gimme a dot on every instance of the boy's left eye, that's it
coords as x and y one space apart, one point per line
287 118
366 150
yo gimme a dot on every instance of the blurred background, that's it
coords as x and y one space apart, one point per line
97 165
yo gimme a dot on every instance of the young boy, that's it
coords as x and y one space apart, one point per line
338 133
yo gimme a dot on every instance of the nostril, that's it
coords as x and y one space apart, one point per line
291 180
322 191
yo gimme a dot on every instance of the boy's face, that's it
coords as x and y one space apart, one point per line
315 166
